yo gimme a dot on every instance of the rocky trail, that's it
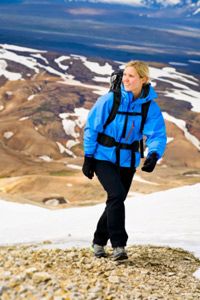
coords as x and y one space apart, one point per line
35 272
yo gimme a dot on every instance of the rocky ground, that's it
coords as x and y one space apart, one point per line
150 273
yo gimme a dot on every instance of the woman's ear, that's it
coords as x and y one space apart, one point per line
144 80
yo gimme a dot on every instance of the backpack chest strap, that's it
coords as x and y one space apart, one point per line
108 141
129 113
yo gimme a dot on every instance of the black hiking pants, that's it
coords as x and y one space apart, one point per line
116 181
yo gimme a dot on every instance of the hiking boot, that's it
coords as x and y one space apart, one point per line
119 253
98 250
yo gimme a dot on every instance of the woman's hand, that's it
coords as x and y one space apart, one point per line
88 167
150 162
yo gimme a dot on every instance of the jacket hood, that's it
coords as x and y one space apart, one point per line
145 97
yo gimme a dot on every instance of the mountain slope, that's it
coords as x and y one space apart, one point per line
44 101
46 92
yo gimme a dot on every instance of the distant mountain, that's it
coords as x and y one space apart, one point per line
161 31
188 6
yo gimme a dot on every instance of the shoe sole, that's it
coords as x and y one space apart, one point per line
100 255
120 257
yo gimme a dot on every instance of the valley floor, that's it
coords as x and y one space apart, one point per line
62 184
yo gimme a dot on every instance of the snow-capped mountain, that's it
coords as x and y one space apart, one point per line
191 6
186 8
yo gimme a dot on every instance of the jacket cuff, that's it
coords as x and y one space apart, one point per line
153 152
89 155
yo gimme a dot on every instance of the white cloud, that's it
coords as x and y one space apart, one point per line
168 2
129 2
139 2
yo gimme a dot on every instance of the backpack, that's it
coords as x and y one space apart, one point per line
115 87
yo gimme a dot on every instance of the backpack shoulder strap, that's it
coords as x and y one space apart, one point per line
116 103
145 109
115 87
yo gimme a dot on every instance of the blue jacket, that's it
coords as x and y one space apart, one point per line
154 128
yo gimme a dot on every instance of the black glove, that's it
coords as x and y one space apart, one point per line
88 167
150 162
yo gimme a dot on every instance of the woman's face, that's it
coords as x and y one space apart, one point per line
132 81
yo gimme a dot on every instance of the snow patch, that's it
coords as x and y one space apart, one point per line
31 97
29 62
69 128
40 57
71 143
7 74
22 49
134 194
69 184
8 93
52 202
166 218
171 73
101 79
192 175
95 67
52 71
46 158
197 274
23 118
59 60
8 134
74 167
62 150
140 179
184 93
169 139
79 116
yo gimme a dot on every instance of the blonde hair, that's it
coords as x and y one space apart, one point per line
141 67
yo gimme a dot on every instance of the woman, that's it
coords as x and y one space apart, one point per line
113 165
